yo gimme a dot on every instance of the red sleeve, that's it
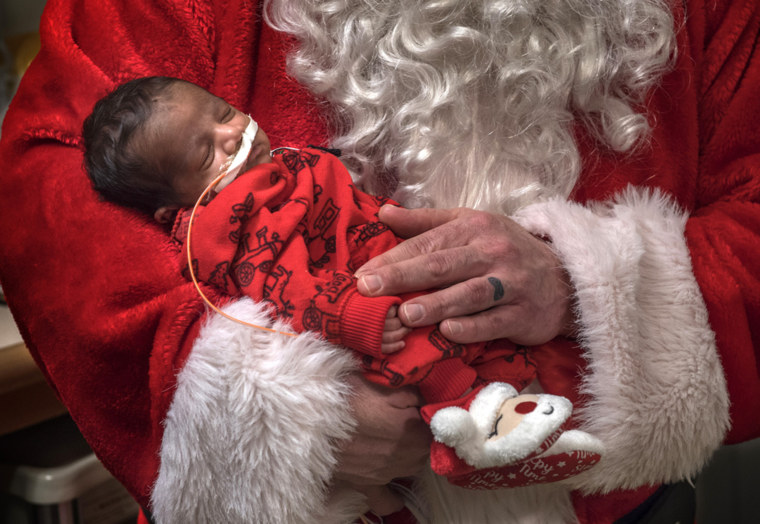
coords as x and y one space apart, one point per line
705 152
96 290
723 234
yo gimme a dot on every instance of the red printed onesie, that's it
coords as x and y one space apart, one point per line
291 233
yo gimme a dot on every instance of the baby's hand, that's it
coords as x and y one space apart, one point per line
393 333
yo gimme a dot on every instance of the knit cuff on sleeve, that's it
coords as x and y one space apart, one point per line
363 321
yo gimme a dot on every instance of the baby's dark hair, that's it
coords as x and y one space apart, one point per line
119 173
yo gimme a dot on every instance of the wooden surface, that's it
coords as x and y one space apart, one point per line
25 397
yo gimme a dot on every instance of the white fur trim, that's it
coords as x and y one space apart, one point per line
575 440
252 431
659 401
444 503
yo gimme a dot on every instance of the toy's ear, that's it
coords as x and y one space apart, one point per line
453 426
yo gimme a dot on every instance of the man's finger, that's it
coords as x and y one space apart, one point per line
408 223
466 298
415 225
422 272
499 322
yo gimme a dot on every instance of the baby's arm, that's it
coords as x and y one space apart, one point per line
393 333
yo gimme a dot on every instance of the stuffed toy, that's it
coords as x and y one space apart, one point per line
499 438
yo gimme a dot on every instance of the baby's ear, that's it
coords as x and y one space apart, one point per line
165 214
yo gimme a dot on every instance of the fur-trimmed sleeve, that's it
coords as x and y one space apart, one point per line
254 427
655 381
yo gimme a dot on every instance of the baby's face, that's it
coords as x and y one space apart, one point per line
194 134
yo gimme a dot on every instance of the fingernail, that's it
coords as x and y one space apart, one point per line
372 283
454 327
413 312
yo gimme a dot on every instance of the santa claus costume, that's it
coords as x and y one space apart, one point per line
195 414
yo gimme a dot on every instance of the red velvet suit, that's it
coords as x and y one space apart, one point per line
107 316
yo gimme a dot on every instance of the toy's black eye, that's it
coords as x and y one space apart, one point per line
549 410
495 427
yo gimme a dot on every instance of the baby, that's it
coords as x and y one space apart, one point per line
289 229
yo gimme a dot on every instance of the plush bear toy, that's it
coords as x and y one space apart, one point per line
499 438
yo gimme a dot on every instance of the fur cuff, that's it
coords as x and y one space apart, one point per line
443 503
659 400
252 431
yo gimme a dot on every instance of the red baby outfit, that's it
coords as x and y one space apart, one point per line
290 234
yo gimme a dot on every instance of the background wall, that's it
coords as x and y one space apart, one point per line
20 15
728 491
19 42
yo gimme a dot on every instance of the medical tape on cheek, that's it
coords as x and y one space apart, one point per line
233 164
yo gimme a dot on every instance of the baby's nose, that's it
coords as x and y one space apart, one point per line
229 137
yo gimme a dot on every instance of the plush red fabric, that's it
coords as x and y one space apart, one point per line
106 313
142 519
96 290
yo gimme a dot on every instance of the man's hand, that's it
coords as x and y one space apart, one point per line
391 441
491 278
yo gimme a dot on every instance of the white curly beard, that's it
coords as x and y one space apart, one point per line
453 103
